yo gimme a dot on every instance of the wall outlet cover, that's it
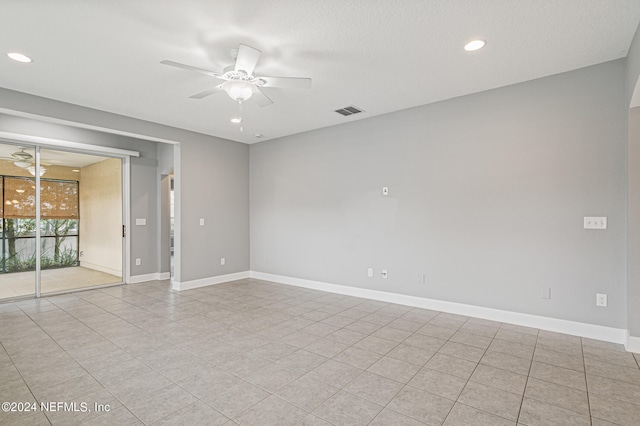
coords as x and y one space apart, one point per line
601 300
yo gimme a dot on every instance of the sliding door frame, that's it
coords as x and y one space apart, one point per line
38 142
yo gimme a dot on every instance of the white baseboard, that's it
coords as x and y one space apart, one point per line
106 270
188 285
632 344
149 277
598 332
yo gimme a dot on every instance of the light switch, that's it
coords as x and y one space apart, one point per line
595 223
201 222
141 221
385 190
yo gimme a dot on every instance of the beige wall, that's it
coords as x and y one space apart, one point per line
101 216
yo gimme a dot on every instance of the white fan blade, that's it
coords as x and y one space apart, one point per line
247 58
287 82
190 68
206 93
261 99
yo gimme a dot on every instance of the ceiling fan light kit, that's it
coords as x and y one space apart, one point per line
24 160
239 82
22 164
238 90
32 170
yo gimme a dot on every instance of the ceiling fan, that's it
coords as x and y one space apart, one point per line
22 158
25 160
240 83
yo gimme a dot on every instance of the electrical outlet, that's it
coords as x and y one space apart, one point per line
370 272
384 273
601 300
223 261
138 262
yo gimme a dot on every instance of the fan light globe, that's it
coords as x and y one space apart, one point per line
238 90
22 164
32 170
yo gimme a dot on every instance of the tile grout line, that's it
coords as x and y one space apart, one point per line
20 373
526 383
586 382
470 375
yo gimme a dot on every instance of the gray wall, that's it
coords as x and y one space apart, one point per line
633 65
487 198
633 179
214 183
633 170
214 186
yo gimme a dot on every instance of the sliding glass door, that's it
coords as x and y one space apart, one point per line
80 221
69 234
18 222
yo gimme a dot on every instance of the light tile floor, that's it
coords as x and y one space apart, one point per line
17 284
258 353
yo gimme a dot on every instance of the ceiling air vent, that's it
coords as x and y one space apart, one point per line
350 110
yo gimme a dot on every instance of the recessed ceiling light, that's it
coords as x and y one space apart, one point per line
75 170
236 120
474 45
19 57
258 135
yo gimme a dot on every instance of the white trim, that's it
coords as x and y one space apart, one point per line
156 276
126 219
632 344
177 213
110 271
203 282
609 334
38 224
59 143
49 119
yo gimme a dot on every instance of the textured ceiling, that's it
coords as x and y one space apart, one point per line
380 55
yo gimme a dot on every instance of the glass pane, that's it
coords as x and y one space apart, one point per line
80 221
17 221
